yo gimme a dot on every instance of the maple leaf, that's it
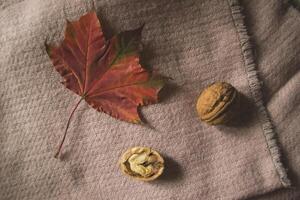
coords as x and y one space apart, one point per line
106 74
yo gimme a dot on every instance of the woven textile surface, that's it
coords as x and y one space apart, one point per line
193 42
275 30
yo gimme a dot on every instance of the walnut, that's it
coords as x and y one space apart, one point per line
142 163
218 103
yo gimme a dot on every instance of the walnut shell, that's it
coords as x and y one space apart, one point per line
142 163
218 103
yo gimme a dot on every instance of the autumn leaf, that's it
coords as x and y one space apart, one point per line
107 74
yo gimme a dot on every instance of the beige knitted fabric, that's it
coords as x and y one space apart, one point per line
195 43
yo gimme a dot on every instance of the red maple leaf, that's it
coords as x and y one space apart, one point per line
106 73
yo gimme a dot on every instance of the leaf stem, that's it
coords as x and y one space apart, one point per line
68 124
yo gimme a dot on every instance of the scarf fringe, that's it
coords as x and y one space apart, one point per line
256 91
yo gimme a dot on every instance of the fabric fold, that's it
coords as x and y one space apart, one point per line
255 87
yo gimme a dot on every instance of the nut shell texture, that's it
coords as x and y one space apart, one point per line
217 103
142 163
